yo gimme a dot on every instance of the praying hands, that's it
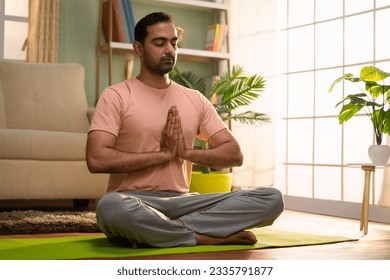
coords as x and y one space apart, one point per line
172 140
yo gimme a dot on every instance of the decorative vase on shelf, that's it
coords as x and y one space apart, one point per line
379 154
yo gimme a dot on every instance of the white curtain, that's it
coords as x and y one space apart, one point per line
384 198
43 33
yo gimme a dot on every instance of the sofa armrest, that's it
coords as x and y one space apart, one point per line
90 113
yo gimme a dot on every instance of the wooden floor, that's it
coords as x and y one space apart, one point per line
373 246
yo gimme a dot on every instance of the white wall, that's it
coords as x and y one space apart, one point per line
253 46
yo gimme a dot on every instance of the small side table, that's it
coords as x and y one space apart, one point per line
368 168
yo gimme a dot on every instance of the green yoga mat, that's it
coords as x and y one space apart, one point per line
92 247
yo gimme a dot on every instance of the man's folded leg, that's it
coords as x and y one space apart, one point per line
126 219
239 210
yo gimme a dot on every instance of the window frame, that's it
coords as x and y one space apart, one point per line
349 179
3 19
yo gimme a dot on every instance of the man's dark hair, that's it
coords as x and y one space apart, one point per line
141 28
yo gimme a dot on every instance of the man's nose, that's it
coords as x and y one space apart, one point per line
170 49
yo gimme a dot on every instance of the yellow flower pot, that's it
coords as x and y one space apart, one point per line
211 182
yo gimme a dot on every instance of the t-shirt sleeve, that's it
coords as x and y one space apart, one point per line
210 122
107 116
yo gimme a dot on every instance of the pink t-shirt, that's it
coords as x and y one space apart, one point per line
136 114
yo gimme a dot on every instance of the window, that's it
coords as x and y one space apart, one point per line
320 40
13 29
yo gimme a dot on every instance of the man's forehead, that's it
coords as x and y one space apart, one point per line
162 29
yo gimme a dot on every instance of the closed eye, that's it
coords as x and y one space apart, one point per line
160 42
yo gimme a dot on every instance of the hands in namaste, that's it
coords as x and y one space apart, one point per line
172 139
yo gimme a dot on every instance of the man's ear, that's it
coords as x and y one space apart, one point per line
137 46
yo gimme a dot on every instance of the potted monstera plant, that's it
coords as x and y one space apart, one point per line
228 92
372 99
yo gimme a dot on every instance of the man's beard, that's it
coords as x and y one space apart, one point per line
166 65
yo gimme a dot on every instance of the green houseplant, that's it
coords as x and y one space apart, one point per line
373 99
228 92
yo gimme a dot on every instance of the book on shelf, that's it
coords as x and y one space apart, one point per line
129 18
122 15
123 22
212 30
216 37
222 37
117 30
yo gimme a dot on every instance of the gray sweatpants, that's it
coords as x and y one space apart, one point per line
147 217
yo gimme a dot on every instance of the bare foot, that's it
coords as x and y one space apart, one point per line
240 238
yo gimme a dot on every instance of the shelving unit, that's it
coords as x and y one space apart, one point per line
184 54
193 4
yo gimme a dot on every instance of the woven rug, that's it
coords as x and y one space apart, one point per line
32 221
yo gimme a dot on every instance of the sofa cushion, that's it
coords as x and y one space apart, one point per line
44 96
42 145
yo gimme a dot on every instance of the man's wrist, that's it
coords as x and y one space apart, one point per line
167 155
185 154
